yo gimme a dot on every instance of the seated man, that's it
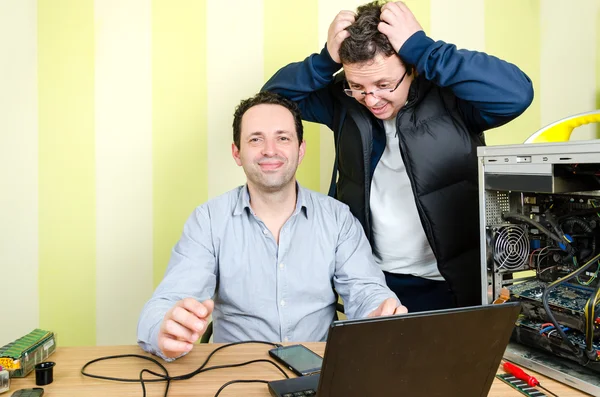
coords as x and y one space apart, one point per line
270 253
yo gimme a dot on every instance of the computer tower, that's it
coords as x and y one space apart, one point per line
540 245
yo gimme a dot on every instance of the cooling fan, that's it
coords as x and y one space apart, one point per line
511 247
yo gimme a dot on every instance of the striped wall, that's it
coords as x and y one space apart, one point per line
115 122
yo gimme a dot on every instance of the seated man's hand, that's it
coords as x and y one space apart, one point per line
388 307
183 325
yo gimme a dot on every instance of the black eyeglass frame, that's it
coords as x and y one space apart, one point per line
363 94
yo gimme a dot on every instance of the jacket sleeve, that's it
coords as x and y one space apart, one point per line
306 84
192 272
357 278
491 91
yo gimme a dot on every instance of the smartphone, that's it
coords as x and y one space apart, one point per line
301 360
34 392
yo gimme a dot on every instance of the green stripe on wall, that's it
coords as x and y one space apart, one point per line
421 9
518 42
288 40
67 222
179 126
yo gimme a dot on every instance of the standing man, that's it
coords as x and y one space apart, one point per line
408 114
265 256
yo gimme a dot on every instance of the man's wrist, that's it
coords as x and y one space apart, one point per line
324 65
415 47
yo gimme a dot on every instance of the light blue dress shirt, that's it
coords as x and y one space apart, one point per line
262 290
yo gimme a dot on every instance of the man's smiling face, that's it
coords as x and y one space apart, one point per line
382 74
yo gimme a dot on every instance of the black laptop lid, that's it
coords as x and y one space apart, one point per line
452 352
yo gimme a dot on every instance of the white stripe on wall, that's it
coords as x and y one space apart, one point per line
460 22
19 168
235 67
328 9
123 104
568 65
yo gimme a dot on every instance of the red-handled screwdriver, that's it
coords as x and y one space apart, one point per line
520 374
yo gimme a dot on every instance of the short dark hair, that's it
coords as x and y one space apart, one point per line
265 98
365 40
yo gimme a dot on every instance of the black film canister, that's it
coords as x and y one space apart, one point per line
43 373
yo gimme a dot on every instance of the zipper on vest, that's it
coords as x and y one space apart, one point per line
368 180
363 123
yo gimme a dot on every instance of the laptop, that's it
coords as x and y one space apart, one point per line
453 352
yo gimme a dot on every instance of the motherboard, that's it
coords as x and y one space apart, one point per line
544 250
567 301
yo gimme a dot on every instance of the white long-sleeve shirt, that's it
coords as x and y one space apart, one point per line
399 241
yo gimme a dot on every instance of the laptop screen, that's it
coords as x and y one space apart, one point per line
453 352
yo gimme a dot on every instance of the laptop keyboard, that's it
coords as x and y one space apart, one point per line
302 386
303 393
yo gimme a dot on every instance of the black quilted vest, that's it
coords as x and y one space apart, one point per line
440 155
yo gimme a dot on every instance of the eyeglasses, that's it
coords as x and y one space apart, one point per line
359 95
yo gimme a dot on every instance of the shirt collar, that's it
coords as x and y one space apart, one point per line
243 201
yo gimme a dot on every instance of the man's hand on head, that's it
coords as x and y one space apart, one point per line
389 307
398 23
183 325
337 33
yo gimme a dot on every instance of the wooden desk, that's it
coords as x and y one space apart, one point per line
68 380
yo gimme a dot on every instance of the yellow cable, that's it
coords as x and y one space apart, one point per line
585 310
594 259
589 325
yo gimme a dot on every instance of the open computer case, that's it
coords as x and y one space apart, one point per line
540 245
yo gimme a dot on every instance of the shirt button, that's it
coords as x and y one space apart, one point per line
282 303
281 265
285 339
265 231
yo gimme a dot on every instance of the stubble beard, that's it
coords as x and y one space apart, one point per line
272 182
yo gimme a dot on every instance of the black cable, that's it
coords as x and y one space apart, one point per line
553 285
231 382
164 378
538 225
570 222
142 381
122 379
589 211
168 379
201 368
550 219
260 360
